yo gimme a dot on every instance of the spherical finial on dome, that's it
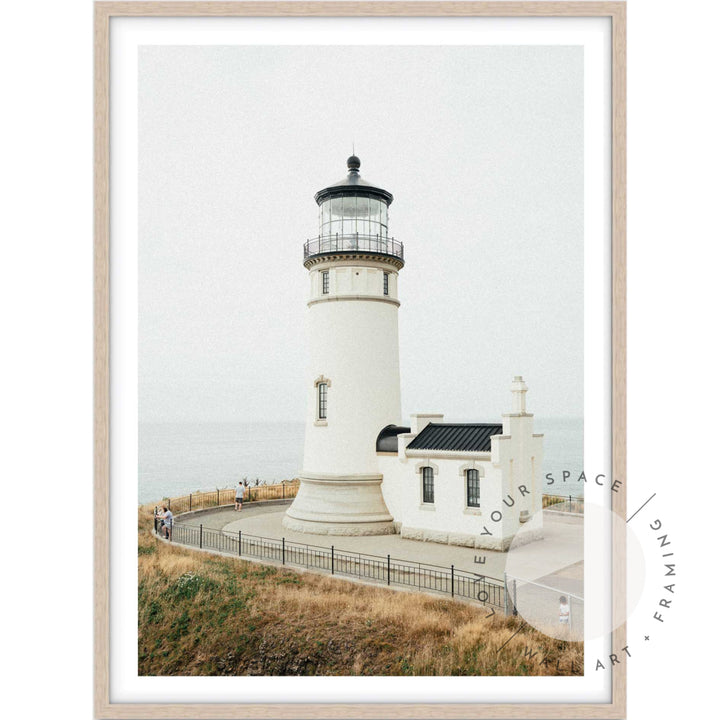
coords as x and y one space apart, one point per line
353 163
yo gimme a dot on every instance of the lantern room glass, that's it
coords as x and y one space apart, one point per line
350 215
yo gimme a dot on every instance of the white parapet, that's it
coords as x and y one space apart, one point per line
419 421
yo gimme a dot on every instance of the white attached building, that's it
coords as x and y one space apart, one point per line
363 473
467 484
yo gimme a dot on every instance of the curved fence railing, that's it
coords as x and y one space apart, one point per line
226 496
564 503
382 569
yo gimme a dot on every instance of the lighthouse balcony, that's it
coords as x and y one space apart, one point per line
353 243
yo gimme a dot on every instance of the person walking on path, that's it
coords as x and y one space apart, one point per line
167 521
239 495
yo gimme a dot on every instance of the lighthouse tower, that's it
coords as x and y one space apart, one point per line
353 386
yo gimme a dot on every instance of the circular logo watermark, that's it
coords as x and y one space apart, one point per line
559 571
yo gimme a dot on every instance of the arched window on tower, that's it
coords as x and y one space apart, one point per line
428 485
321 399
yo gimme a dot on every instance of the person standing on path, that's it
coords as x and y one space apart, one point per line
564 611
239 495
167 523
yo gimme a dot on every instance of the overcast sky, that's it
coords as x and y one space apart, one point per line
482 149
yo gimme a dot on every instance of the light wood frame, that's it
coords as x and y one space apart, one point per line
104 11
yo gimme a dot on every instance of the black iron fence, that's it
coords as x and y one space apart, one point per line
382 569
352 243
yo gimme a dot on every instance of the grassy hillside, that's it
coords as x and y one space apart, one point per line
201 614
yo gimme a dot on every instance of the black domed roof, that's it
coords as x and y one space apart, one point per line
387 440
353 184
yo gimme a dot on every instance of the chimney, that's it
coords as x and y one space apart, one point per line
518 388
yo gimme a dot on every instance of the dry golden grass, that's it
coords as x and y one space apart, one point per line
200 614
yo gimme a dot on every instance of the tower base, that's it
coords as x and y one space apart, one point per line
339 505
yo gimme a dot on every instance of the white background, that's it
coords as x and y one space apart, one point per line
46 287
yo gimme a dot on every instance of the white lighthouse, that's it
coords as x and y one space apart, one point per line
353 386
364 473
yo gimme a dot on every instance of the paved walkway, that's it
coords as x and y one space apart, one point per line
560 551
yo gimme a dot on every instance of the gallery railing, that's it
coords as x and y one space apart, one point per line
226 496
353 243
382 569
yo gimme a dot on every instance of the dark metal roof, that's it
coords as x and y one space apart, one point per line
353 184
472 437
387 439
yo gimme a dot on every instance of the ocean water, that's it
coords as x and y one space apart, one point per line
563 446
179 458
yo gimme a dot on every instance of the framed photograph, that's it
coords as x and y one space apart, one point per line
360 360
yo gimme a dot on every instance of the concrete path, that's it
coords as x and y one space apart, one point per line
218 519
559 553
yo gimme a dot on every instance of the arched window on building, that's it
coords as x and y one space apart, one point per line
428 485
472 488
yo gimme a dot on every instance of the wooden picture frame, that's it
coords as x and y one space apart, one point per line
104 13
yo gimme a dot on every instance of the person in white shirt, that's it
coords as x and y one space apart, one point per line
239 495
564 611
167 521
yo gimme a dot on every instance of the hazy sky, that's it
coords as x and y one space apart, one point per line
482 149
